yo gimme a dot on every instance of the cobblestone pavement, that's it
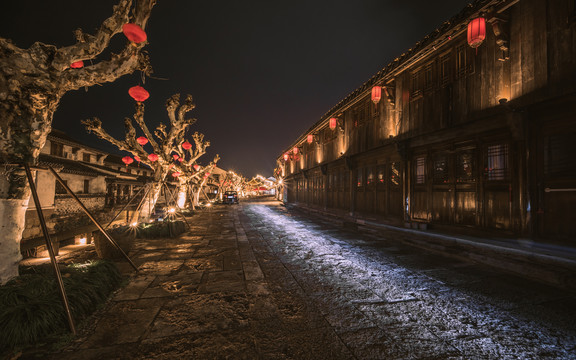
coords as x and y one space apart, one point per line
256 281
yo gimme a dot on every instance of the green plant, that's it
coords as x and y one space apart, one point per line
31 308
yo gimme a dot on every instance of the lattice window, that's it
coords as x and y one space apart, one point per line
440 171
497 162
428 77
416 84
395 178
360 178
420 170
560 154
465 169
464 61
445 70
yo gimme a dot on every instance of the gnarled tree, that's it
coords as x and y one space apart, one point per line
32 82
164 142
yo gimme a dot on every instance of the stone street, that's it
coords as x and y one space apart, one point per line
258 281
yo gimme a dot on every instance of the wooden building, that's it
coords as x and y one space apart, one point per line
462 138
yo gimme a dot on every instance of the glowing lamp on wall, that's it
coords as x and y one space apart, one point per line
77 64
127 160
476 32
333 122
134 33
186 145
310 138
376 94
152 157
142 140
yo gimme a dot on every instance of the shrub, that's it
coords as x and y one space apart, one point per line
31 308
161 229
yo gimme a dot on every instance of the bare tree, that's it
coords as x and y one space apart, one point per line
165 142
32 82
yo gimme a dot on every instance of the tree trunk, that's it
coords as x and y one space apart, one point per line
182 191
150 202
14 197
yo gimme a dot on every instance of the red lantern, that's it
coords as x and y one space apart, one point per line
333 123
176 174
476 32
175 156
295 150
286 157
152 157
134 33
137 158
138 93
142 140
77 64
196 167
186 145
127 160
376 94
310 138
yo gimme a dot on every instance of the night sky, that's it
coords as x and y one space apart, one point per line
261 72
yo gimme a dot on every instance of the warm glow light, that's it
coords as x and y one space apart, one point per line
152 157
286 157
77 64
134 33
333 123
142 140
172 210
82 241
127 160
134 224
295 150
476 32
310 138
138 93
376 94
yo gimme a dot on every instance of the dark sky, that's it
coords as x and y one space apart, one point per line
261 72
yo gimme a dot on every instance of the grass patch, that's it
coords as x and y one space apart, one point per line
31 309
161 229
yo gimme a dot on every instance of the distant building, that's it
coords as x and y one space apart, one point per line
101 181
462 139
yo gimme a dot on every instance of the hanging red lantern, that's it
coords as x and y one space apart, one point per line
186 145
376 94
196 167
180 159
175 156
152 157
137 158
286 157
138 93
310 138
176 174
127 160
77 64
142 140
295 150
134 33
333 123
476 32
